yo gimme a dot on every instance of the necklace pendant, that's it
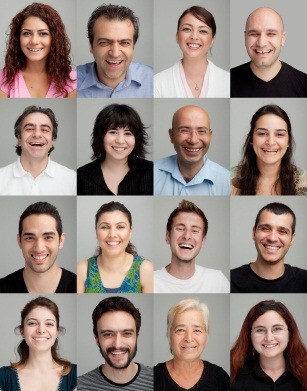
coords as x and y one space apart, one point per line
196 88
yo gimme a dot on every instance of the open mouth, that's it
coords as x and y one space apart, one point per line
270 248
39 259
41 339
193 45
270 346
37 144
186 246
113 243
270 150
266 51
192 150
114 63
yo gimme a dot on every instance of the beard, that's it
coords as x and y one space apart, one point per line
106 355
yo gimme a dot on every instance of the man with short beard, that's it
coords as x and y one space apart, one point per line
116 326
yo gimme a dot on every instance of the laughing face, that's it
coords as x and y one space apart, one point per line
270 335
117 338
270 139
112 49
186 237
118 143
273 237
40 242
264 38
194 37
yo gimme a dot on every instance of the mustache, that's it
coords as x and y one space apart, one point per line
112 349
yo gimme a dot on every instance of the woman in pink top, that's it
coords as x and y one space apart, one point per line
37 61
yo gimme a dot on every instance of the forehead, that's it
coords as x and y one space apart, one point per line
269 318
270 218
40 313
114 29
264 18
192 116
188 219
271 120
36 119
34 22
191 316
191 19
39 223
116 321
114 217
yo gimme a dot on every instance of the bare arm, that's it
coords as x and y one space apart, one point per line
72 94
81 276
146 276
3 94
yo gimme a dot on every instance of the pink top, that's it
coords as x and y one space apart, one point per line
20 90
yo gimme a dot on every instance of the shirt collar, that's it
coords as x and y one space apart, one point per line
19 171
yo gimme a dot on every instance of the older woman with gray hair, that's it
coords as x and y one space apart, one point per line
187 332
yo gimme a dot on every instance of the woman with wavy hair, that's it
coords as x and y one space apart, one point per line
267 166
39 367
116 267
37 61
269 352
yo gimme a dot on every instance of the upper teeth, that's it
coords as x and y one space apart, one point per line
35 50
185 245
39 257
192 149
263 51
193 45
114 62
41 339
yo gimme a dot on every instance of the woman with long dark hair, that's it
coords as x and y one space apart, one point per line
267 166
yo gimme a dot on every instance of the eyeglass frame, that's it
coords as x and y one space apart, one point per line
265 330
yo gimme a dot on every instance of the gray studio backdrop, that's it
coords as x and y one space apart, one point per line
243 211
294 17
240 304
66 9
218 110
14 303
10 210
142 9
166 15
141 208
89 356
242 111
88 109
215 253
65 144
217 347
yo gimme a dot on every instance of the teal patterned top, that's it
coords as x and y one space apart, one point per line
131 283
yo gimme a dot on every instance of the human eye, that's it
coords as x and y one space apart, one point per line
128 133
26 33
186 29
31 323
112 131
125 43
281 134
50 324
44 33
179 330
121 226
103 42
127 334
184 131
195 231
46 130
203 31
260 330
28 238
179 228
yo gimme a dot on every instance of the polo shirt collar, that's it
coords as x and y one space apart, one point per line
19 171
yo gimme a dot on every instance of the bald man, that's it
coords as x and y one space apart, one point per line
265 75
190 172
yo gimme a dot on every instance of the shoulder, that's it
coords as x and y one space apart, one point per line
291 69
83 69
138 67
63 169
219 72
166 162
166 72
242 270
146 266
89 378
82 266
218 168
297 271
89 167
8 379
240 68
7 169
217 373
142 164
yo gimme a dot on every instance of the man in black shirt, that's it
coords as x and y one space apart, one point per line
265 75
40 238
273 234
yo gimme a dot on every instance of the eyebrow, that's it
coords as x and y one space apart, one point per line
193 325
53 320
34 30
119 222
115 331
189 127
256 31
191 25
183 225
278 129
33 234
33 125
277 324
269 226
114 40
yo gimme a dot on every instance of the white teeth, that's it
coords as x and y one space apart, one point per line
113 62
117 353
270 346
113 243
39 257
185 245
35 50
192 149
119 149
193 45
263 51
41 339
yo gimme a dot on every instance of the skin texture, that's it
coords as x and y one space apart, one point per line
112 49
118 143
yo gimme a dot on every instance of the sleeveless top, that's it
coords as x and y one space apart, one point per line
130 284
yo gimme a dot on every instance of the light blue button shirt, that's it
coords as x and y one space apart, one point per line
137 84
212 179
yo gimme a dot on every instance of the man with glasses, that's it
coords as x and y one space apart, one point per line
190 172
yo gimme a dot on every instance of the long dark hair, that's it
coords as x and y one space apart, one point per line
248 172
23 348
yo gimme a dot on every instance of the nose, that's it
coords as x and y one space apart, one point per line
36 131
188 335
120 138
261 41
34 39
187 234
117 340
114 49
40 328
193 137
272 236
269 336
39 245
194 34
270 139
112 232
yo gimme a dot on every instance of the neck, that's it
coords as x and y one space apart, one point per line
114 263
273 366
195 67
181 270
112 83
34 167
266 73
269 170
45 282
182 366
40 361
35 67
268 271
117 165
189 171
121 376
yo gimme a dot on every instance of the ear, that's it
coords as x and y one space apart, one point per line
91 48
203 241
130 233
171 135
177 37
292 239
96 340
283 38
212 42
62 240
254 230
167 237
18 241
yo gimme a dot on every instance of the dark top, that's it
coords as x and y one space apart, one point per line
9 380
14 283
252 378
288 83
244 280
213 378
137 181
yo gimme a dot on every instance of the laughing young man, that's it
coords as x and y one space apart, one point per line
273 234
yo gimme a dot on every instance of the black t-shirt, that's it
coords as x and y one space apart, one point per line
288 83
252 378
14 283
213 378
245 280
137 181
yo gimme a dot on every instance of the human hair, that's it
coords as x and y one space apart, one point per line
278 209
248 172
58 64
295 352
23 348
114 304
35 109
186 305
112 12
112 207
41 208
116 116
201 14
189 207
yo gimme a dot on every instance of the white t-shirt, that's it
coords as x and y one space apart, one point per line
204 280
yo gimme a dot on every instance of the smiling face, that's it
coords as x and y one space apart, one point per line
36 137
35 39
194 37
191 136
186 237
118 143
270 335
112 49
40 242
264 37
113 232
188 336
273 237
270 139
40 329
117 338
